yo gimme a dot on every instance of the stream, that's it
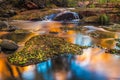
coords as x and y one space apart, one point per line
93 64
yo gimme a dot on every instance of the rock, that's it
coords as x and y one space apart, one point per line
87 13
12 28
9 14
41 48
8 45
4 25
91 19
0 50
31 5
1 1
66 16
50 17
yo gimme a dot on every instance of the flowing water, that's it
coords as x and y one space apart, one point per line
93 64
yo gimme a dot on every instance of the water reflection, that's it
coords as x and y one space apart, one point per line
94 64
66 68
83 40
29 74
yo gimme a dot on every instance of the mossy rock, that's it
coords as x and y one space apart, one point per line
102 35
115 27
41 48
115 51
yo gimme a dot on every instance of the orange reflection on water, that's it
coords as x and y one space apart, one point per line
2 33
97 60
8 70
61 75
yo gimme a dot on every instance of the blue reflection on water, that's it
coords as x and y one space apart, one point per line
83 40
82 73
77 72
28 75
45 69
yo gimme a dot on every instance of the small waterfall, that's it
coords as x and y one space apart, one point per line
50 17
63 16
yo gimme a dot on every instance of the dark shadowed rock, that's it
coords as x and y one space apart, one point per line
12 28
0 50
31 5
3 25
9 14
66 16
8 45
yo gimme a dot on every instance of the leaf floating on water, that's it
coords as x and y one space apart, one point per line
41 48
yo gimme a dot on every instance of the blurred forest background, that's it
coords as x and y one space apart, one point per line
28 9
32 4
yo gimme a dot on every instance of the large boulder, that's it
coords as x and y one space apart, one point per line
66 16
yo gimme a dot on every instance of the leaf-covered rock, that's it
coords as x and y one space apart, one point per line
41 48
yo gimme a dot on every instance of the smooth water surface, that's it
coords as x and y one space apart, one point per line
93 64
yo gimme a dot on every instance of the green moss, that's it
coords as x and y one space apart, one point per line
41 48
116 50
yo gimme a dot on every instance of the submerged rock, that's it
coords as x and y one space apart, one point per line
41 48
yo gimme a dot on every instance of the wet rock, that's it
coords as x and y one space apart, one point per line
4 25
50 17
66 16
91 19
12 28
8 45
114 27
41 48
9 14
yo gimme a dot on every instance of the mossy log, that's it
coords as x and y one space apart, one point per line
41 48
